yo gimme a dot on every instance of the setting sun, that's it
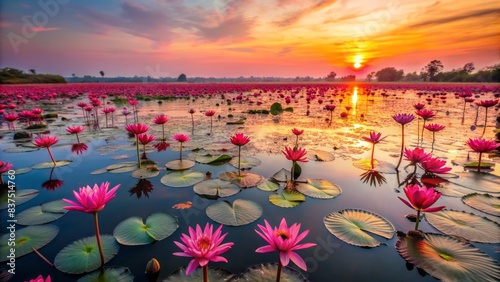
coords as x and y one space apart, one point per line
357 65
358 59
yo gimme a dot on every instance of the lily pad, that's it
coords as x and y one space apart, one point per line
448 258
147 172
20 170
214 275
245 162
43 213
83 255
244 180
482 182
276 109
319 188
51 164
269 185
483 202
183 178
287 199
22 196
121 165
21 149
180 165
352 226
322 156
241 212
484 165
453 190
282 176
267 272
27 239
132 231
209 159
216 188
99 171
109 274
467 225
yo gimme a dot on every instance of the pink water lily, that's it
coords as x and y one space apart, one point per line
75 130
203 246
4 167
41 279
137 129
435 165
297 132
181 138
481 146
374 139
421 199
402 119
46 142
434 127
416 155
239 139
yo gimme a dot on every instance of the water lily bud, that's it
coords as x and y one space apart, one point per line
153 266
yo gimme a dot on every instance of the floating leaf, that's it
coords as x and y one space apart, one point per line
269 185
99 171
453 190
19 171
470 226
83 255
352 226
147 172
121 165
209 159
276 109
241 212
484 165
21 149
267 272
43 213
109 274
483 202
482 182
22 196
51 164
216 188
448 258
287 199
319 188
244 180
322 156
183 178
282 176
27 239
214 275
132 231
246 162
180 164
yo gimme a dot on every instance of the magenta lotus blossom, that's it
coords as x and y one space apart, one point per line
181 138
10 118
374 139
145 139
286 241
46 142
297 132
192 111
92 200
402 119
425 115
481 146
420 199
161 119
416 155
418 106
486 104
4 167
295 155
126 112
210 113
434 127
134 104
330 108
108 111
75 130
41 279
137 129
467 99
239 139
435 165
203 246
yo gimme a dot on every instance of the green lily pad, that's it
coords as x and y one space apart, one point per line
27 239
83 255
319 155
109 274
209 159
246 162
467 225
214 275
99 171
453 190
276 109
51 164
180 165
448 258
352 226
484 165
43 213
20 170
483 202
132 231
244 180
183 178
482 182
282 176
319 188
241 212
21 149
147 172
287 199
22 196
216 188
269 185
267 272
121 165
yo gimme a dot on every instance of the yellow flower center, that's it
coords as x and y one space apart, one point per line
203 243
283 234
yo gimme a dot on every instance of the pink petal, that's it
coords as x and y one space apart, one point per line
297 260
284 258
265 249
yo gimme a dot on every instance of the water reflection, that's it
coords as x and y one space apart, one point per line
373 178
52 184
79 148
143 187
354 100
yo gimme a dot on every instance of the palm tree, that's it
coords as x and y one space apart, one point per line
101 73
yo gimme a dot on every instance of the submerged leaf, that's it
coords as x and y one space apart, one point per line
241 212
246 162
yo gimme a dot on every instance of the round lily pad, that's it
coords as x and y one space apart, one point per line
132 231
214 275
482 182
20 170
453 190
51 164
354 227
121 165
319 188
109 274
287 199
21 149
470 226
83 255
216 188
27 239
183 178
244 179
282 176
43 213
267 272
483 202
210 159
22 196
99 171
241 212
245 162
147 172
448 258
269 185
180 165
319 155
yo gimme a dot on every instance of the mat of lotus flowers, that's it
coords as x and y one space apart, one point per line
251 182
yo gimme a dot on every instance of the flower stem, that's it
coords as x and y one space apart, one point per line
137 149
402 145
296 141
205 273
77 139
292 172
373 152
463 113
485 121
418 220
422 133
51 157
418 130
98 237
477 114
433 139
479 162
192 120
239 160
180 154
278 273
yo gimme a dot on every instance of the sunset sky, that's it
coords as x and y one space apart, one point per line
233 38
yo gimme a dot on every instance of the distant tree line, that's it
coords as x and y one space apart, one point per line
15 76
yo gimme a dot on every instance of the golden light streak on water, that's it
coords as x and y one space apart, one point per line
354 100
